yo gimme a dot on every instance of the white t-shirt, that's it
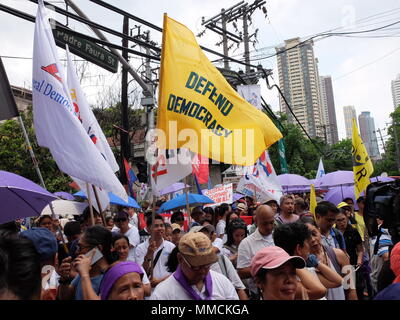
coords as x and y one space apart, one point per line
219 243
231 273
160 269
170 289
247 250
134 220
220 229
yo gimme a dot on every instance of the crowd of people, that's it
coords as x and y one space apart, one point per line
285 253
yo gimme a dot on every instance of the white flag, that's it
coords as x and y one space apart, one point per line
170 167
93 130
56 122
321 170
261 181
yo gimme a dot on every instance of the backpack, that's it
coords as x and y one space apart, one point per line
339 239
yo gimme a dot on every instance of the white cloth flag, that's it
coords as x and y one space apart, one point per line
56 122
321 170
93 130
261 181
171 166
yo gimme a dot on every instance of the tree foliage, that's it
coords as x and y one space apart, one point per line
15 157
302 155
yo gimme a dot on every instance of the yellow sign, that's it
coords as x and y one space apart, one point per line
313 201
362 164
199 110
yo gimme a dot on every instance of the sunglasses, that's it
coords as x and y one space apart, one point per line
207 266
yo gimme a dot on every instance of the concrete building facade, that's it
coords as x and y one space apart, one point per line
396 91
368 134
349 113
329 125
299 81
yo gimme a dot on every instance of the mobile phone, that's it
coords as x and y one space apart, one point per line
96 256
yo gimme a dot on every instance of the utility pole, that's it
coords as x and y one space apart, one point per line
246 41
124 134
383 142
224 39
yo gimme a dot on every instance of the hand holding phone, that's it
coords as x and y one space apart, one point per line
83 263
95 255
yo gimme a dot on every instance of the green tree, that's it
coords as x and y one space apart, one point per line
15 158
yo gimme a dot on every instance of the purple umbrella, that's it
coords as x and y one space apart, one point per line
21 198
337 194
64 195
237 196
381 179
293 182
173 188
334 179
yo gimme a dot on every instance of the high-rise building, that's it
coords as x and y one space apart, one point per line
368 135
329 125
299 81
349 113
396 91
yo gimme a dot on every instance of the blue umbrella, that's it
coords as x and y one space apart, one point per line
179 202
64 195
113 200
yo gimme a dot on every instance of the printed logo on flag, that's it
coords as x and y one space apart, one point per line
53 70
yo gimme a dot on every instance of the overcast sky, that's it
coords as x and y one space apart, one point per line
361 68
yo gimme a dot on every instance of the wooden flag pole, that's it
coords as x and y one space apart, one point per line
99 205
90 203
187 202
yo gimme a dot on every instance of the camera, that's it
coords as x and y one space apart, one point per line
382 202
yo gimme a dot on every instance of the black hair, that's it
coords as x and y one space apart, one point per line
149 219
86 214
118 236
159 203
108 218
307 219
261 275
9 229
72 228
209 210
233 226
41 218
324 207
289 235
195 210
360 199
172 262
99 235
20 268
176 215
167 225
345 199
222 209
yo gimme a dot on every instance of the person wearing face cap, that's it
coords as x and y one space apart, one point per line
274 271
193 279
123 281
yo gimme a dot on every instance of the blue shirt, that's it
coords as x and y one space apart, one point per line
78 285
390 293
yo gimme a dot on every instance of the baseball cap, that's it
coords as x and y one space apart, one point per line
44 241
342 205
241 206
210 228
175 227
273 257
197 249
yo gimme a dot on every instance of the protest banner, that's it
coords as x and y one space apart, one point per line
220 195
198 108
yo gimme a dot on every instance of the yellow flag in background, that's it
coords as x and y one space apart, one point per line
313 201
194 95
362 164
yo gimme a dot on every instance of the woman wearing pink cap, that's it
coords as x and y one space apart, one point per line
274 272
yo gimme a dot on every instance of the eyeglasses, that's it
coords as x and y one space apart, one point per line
207 266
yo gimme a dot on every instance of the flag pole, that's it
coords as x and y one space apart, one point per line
187 202
90 203
99 205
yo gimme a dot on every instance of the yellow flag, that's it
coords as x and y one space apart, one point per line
313 201
199 110
362 164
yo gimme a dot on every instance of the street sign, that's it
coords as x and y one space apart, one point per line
87 50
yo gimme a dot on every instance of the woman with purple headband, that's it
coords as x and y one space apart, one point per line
123 281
